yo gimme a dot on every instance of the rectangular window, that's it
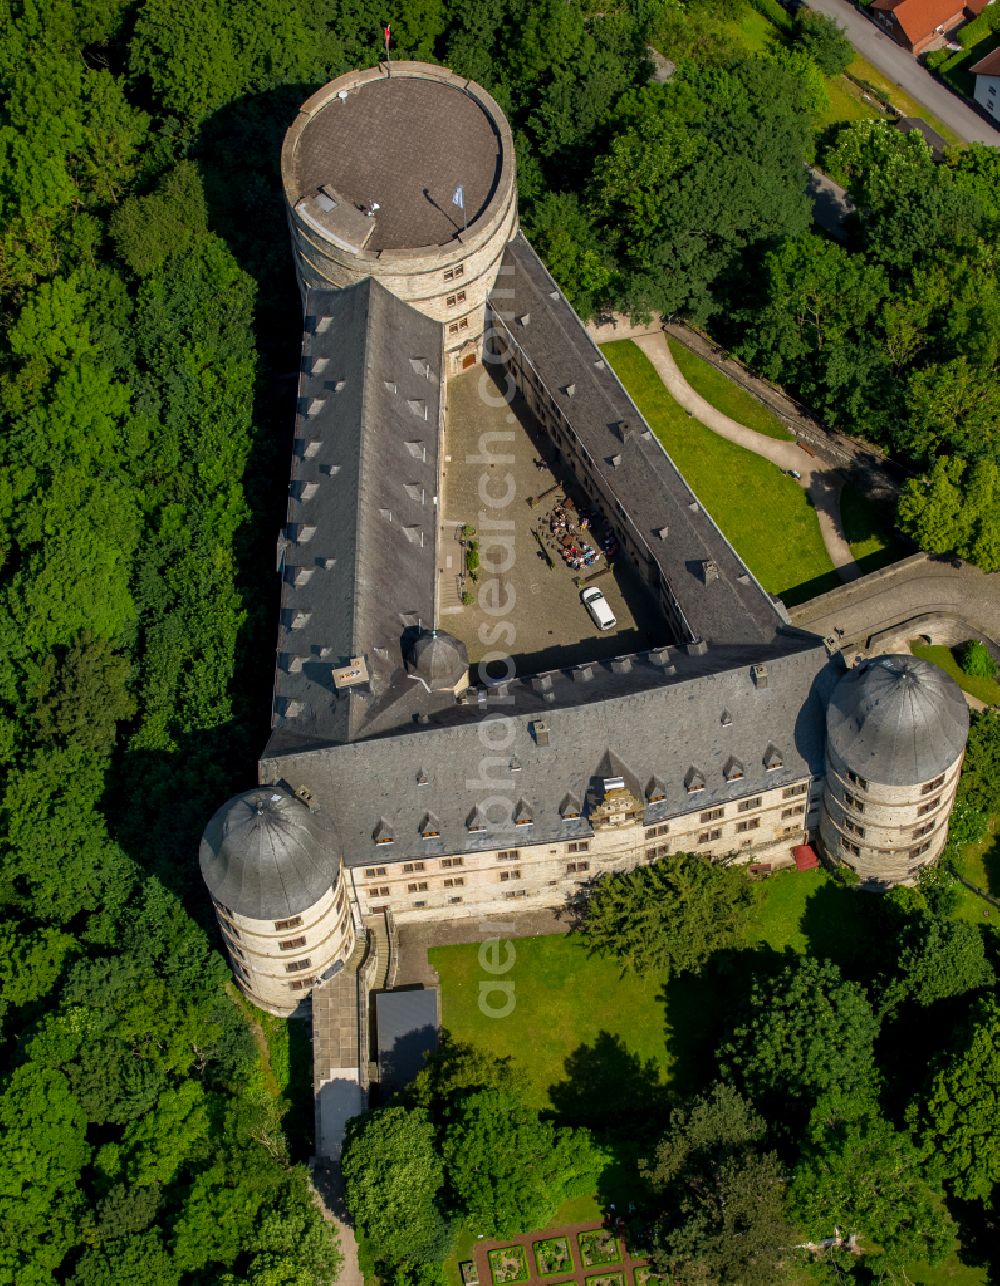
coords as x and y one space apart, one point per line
923 830
711 814
855 780
745 805
653 831
661 850
295 966
516 893
854 828
375 870
708 837
919 850
292 944
852 801
509 875
932 786
410 867
791 830
453 900
508 855
573 868
417 888
929 807
381 892
455 882
293 923
450 301
579 846
450 861
791 791
299 984
452 274
749 824
790 812
851 848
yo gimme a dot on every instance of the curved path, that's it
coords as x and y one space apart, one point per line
822 483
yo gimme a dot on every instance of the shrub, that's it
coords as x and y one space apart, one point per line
975 659
823 39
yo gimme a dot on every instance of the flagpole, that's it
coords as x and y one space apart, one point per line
388 62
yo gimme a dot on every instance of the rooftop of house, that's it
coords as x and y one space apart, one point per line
685 729
679 536
405 142
988 66
921 18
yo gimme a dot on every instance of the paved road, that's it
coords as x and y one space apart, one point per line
904 69
822 484
908 589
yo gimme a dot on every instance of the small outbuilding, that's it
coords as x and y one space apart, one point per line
406 1025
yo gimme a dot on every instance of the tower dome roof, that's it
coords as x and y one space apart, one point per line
266 856
897 720
440 659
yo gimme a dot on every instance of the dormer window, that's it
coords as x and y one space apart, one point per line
475 822
422 778
772 759
523 815
733 770
383 833
727 718
515 764
430 827
656 792
569 809
694 781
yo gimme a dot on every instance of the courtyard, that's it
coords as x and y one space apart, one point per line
526 599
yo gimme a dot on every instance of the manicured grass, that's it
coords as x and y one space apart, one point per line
766 516
868 527
980 864
563 998
862 69
725 395
781 907
847 103
987 690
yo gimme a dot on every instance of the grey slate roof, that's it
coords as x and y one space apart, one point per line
897 720
647 724
266 856
358 551
406 143
439 659
730 609
406 1022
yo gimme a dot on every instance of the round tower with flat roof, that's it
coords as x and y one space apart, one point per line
408 178
896 732
274 870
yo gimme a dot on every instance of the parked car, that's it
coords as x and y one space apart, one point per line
597 605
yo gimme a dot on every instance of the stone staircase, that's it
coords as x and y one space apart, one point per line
380 933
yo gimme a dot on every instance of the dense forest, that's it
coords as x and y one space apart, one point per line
147 372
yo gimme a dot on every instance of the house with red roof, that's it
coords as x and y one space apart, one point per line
916 24
987 90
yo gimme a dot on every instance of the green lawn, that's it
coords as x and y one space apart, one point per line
766 516
869 529
987 690
725 395
847 103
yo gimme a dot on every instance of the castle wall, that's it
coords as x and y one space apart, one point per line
885 833
276 962
759 828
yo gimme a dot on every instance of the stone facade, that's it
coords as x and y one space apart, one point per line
885 833
277 962
449 281
762 828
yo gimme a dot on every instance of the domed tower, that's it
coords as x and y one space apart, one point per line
440 660
408 178
274 870
896 731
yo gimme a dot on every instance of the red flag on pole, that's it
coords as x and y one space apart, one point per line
387 42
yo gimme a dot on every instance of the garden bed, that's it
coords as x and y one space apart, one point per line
553 1257
598 1246
508 1264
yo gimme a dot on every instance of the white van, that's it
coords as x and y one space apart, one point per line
597 605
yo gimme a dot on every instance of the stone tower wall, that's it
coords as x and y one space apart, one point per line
432 278
885 833
276 962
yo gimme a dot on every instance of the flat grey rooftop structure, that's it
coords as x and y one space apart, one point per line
405 142
679 537
406 1024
